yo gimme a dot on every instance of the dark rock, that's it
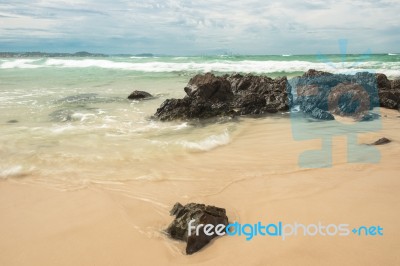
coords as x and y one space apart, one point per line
381 141
13 121
348 100
274 91
395 84
321 114
315 73
208 87
210 96
318 94
383 82
251 104
187 108
368 117
345 95
389 99
138 95
389 93
201 214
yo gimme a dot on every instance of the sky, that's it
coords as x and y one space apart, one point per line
189 27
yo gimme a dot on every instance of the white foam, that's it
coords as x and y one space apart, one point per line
221 65
12 171
82 117
20 63
208 143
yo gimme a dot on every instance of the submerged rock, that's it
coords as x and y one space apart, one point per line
138 95
201 214
381 141
80 98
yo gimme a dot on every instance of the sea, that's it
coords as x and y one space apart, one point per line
66 122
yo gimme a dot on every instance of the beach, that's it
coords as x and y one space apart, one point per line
88 177
122 222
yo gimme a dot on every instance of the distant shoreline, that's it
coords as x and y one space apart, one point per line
150 55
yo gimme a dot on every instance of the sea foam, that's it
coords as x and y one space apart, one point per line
208 143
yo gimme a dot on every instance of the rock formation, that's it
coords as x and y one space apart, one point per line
201 214
320 95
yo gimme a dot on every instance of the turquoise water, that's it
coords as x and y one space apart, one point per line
64 118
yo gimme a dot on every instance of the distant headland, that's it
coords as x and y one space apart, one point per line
42 54
77 54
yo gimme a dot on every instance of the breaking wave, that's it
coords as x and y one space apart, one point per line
208 143
164 65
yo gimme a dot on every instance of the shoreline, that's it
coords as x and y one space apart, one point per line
122 222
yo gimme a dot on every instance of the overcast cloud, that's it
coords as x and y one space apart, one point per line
198 27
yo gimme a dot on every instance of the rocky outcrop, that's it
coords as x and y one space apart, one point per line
201 214
389 92
345 95
210 96
320 95
139 95
272 94
209 88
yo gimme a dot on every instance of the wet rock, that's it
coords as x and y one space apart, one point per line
344 95
381 141
80 98
251 104
273 92
389 99
312 73
317 93
85 99
201 214
368 117
321 114
348 100
187 108
383 82
389 93
208 87
210 96
139 95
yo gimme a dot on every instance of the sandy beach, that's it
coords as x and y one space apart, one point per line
256 178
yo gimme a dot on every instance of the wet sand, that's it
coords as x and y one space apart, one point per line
121 222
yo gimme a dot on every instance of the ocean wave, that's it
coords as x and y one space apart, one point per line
221 65
20 63
208 143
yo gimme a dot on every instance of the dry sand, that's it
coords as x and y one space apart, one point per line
120 223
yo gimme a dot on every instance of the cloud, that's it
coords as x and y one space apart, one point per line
195 27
